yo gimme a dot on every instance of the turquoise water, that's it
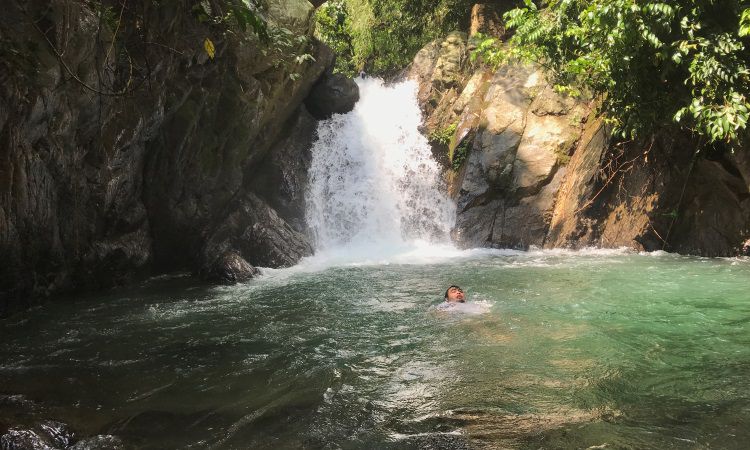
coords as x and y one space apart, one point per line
559 350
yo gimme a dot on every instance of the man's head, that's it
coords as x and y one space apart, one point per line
454 294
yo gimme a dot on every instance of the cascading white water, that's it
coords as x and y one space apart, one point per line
373 183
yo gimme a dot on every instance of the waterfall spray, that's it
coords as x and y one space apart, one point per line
373 181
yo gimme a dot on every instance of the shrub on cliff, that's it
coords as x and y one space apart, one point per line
652 63
334 27
381 36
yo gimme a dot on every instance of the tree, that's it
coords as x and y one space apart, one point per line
651 63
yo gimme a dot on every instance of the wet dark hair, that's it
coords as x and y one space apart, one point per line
449 288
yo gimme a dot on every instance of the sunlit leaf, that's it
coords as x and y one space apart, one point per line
208 45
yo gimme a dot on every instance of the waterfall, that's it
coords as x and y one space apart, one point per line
373 183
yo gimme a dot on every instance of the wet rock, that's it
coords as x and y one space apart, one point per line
228 268
20 439
281 179
49 434
258 235
526 224
100 442
333 94
58 432
474 226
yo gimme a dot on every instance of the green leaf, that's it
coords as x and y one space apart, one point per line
745 23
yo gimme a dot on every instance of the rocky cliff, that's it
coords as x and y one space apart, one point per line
531 167
141 137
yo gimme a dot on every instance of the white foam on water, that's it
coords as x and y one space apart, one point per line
469 308
585 251
413 253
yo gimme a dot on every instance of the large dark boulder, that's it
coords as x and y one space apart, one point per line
332 94
252 234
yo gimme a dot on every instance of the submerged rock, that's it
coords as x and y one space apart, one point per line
100 442
20 439
60 433
46 435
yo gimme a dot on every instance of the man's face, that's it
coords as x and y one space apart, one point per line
455 295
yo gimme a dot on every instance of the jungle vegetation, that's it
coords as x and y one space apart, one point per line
382 36
650 63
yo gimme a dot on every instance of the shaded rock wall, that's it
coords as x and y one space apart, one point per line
125 149
652 195
541 170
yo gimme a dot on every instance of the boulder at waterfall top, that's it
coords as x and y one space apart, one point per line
540 168
334 93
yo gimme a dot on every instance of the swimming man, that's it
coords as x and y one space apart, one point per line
454 294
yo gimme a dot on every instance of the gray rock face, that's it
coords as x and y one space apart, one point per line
438 69
281 178
542 170
450 61
96 189
332 94
513 172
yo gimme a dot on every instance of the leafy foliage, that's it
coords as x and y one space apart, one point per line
334 27
487 50
242 15
444 135
651 62
745 23
384 35
459 155
244 20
